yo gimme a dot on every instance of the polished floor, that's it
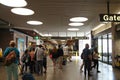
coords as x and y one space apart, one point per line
71 72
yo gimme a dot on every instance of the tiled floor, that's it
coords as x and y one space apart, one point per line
71 72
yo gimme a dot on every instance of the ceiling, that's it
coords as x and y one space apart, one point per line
55 15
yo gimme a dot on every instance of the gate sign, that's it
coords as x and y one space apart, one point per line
110 17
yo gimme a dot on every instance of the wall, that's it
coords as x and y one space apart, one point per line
5 36
102 28
116 47
20 39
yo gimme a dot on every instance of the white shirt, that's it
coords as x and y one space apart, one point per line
39 54
65 49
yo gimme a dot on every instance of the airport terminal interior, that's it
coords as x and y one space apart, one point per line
68 25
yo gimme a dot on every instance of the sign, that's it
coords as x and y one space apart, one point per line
36 37
110 17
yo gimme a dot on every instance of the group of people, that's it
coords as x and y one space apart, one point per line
60 55
33 60
89 56
57 56
34 57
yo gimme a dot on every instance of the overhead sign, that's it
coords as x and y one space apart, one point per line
110 17
36 37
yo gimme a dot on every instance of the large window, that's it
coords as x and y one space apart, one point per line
110 48
105 48
105 53
100 47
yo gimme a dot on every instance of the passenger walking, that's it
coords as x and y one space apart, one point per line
60 54
54 56
32 46
69 53
25 59
12 69
65 49
96 61
81 67
87 59
39 52
45 59
32 62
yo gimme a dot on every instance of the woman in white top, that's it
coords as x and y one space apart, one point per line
96 57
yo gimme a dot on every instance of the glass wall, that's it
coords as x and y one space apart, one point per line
100 47
110 48
105 48
105 45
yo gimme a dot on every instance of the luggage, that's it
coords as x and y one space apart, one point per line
27 76
64 61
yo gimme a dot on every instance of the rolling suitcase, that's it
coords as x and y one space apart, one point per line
64 61
27 76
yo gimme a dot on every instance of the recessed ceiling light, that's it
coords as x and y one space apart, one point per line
34 22
76 24
22 11
14 3
73 29
78 19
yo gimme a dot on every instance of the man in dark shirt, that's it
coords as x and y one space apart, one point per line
87 59
60 54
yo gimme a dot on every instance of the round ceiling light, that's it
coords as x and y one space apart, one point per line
78 19
14 3
34 22
22 11
76 24
73 29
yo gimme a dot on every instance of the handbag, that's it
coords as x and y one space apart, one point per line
1 53
50 56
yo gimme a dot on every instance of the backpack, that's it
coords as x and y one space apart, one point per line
27 76
25 58
64 62
10 58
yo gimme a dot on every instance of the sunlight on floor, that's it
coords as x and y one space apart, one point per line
76 58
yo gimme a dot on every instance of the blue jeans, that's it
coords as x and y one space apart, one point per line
12 70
